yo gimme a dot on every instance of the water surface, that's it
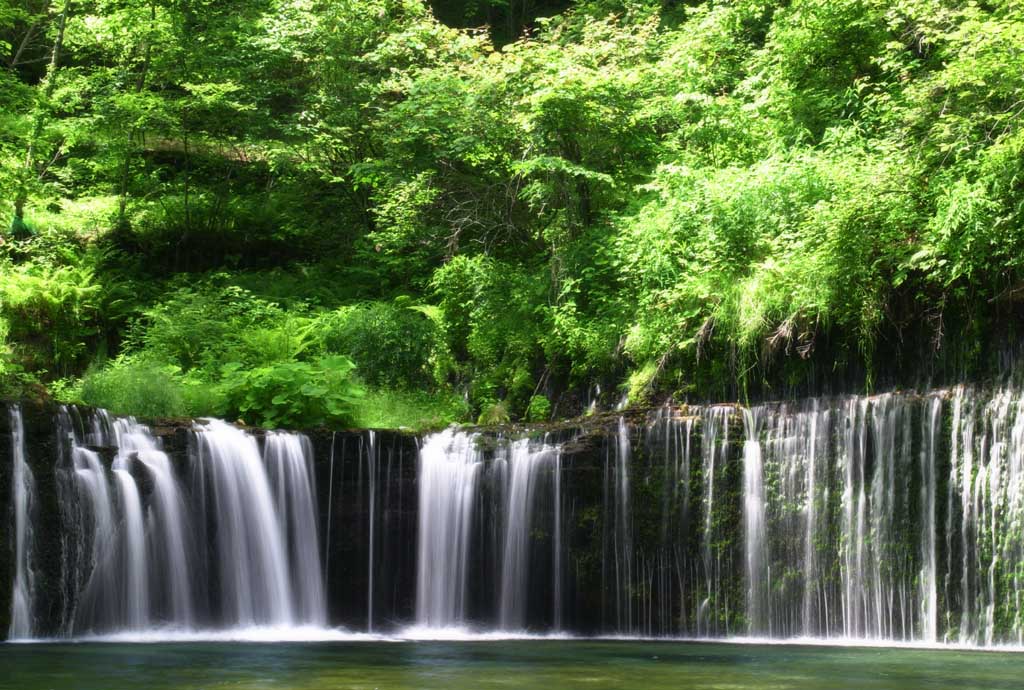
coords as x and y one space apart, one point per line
506 664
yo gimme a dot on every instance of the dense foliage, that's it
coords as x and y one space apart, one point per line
296 211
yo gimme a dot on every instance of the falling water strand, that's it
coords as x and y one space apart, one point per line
23 603
854 507
754 522
714 608
371 467
929 569
330 506
97 606
622 529
289 467
255 587
668 440
556 580
135 587
450 467
525 465
171 526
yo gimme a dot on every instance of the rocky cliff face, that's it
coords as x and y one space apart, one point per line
367 497
345 503
894 516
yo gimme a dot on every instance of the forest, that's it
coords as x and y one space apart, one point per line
391 213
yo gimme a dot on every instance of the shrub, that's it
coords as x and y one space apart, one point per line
51 312
494 413
197 326
393 345
283 341
292 394
494 316
143 387
6 366
539 409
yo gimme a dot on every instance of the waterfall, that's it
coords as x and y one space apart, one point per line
887 517
984 504
455 532
883 534
617 494
450 466
811 438
139 551
97 602
169 526
525 465
668 441
128 544
754 523
623 522
23 487
862 537
713 612
330 506
135 546
291 476
135 585
135 588
251 547
556 579
929 569
890 517
854 502
371 469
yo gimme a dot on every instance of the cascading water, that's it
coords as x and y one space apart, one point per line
371 467
807 535
889 517
872 518
985 560
252 560
135 585
140 552
168 524
526 463
855 520
556 579
456 532
97 604
758 581
23 488
795 452
287 459
136 611
713 612
669 440
928 578
450 467
330 506
618 518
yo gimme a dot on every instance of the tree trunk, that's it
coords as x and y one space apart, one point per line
26 40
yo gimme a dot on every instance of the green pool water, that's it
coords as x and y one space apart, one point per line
534 664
